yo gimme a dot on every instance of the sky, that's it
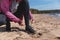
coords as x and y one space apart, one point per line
45 4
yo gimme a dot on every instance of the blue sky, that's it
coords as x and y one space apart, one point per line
45 4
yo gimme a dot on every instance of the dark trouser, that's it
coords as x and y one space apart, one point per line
8 25
5 21
23 9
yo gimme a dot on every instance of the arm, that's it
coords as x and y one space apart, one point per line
30 14
5 10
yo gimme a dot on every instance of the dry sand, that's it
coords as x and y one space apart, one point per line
46 27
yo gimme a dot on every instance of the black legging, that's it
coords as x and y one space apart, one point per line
23 9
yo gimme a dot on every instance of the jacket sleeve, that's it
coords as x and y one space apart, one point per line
5 10
30 14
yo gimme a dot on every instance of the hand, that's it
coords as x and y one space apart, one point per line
32 20
21 23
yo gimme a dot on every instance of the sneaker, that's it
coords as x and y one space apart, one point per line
30 30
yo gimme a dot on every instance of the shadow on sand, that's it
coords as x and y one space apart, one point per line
13 29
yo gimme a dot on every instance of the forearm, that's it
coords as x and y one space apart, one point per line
5 10
12 17
30 14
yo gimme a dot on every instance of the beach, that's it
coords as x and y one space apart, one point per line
46 27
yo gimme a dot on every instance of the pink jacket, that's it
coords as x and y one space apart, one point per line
4 7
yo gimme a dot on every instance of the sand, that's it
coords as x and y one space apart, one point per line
46 27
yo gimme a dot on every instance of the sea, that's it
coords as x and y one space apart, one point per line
56 15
